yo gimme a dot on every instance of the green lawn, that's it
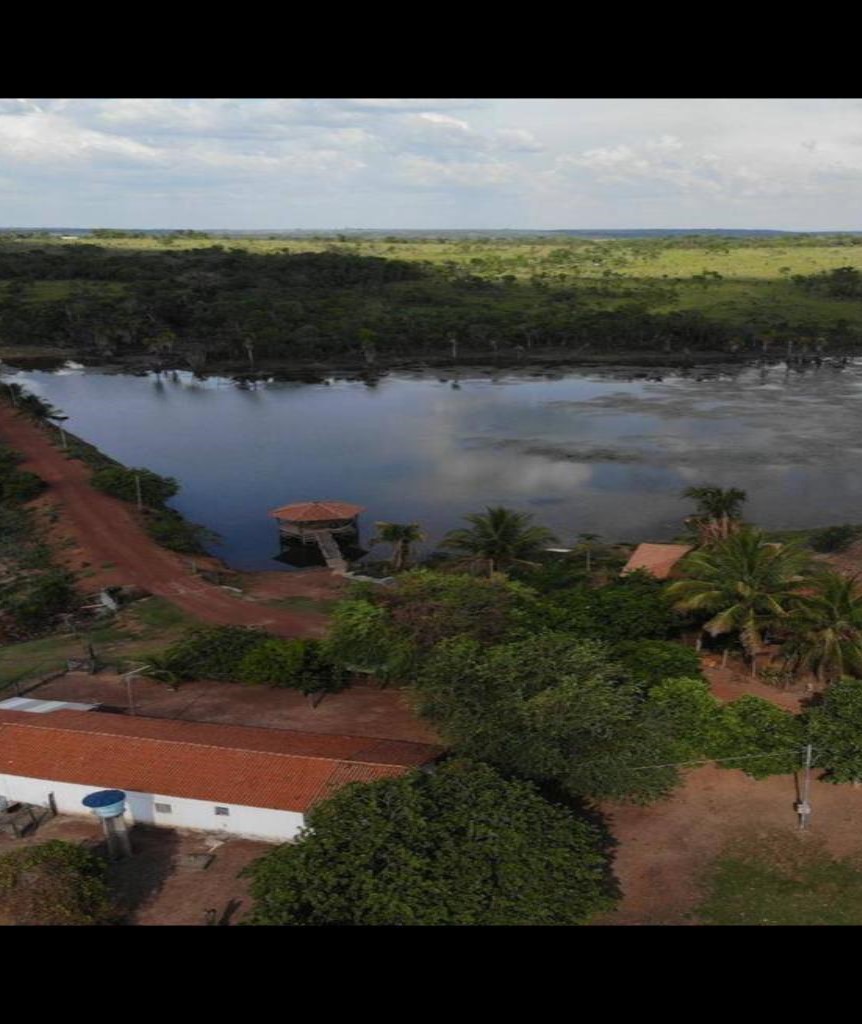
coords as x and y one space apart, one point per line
784 878
143 627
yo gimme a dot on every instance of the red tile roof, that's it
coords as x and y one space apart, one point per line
317 511
658 559
279 769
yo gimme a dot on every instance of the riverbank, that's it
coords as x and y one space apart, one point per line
101 538
315 371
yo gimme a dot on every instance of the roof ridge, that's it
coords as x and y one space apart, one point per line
212 746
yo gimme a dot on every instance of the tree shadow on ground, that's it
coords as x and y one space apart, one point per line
135 880
587 811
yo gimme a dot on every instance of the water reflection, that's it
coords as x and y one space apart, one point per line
585 451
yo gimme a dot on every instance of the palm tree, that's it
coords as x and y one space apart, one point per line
400 536
747 583
587 541
499 537
718 512
161 668
827 628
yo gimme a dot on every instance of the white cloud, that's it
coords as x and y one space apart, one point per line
528 163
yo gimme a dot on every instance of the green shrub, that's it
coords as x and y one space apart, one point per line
35 601
834 538
54 883
758 738
213 652
299 664
273 662
650 662
120 482
20 486
172 531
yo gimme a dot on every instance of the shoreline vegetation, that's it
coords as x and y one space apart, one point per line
366 303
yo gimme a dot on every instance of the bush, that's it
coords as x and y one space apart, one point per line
120 482
17 486
758 738
273 662
54 883
212 652
172 531
20 486
834 538
35 601
630 608
650 662
836 731
299 664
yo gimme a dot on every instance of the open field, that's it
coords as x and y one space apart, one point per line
664 850
482 288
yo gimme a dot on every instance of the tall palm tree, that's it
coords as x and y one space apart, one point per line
747 583
718 512
499 538
827 628
400 536
587 542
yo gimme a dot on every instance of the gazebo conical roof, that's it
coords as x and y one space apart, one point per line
317 511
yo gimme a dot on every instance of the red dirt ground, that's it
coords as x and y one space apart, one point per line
664 847
108 538
153 885
362 710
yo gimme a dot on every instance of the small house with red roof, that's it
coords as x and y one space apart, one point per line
659 560
241 780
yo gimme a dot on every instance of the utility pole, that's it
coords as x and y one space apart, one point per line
128 677
803 807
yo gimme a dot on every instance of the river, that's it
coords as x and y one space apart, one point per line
606 452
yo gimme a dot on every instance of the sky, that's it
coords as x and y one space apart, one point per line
531 164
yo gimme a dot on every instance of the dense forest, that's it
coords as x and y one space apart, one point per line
185 299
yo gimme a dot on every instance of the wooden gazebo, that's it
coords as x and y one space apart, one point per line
324 523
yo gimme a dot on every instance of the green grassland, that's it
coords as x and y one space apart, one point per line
143 627
754 284
781 879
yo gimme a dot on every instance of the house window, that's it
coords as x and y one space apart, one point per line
222 810
163 808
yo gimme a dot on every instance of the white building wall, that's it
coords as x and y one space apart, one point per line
249 822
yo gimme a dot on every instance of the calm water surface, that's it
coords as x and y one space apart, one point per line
590 451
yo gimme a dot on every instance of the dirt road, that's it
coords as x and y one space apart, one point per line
107 531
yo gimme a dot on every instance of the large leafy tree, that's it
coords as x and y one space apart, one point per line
757 737
717 513
386 630
54 883
459 846
497 539
827 628
558 709
744 584
835 730
401 536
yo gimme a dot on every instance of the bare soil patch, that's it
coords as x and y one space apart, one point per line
361 710
664 848
154 886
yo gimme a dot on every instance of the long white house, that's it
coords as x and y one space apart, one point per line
245 781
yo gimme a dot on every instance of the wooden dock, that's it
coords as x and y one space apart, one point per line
330 550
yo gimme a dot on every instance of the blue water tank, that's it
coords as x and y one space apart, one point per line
106 803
